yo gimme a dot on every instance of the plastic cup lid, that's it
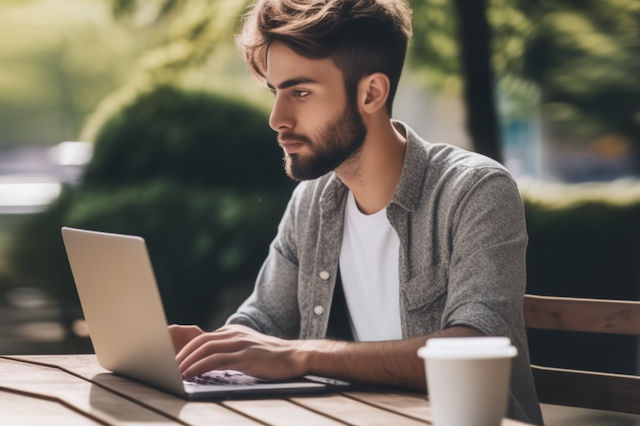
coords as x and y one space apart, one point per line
468 348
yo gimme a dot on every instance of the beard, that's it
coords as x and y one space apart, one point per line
338 141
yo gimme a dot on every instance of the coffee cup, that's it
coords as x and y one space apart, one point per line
468 379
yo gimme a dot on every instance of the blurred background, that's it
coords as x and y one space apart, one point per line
141 118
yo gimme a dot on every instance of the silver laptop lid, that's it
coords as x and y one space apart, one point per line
122 306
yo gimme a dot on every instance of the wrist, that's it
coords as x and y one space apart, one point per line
314 356
302 356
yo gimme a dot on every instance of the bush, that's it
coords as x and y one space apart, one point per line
197 176
584 241
202 241
189 137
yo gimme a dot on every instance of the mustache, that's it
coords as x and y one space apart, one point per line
290 137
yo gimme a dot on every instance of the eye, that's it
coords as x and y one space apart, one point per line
301 93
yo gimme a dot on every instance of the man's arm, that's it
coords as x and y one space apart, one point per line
235 347
390 363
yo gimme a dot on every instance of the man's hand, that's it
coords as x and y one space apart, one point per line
183 334
236 347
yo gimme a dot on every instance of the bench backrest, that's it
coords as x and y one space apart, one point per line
603 391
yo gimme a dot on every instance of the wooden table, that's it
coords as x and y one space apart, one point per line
75 390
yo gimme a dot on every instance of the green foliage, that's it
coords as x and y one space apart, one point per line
8 222
203 241
58 59
191 137
195 35
580 59
35 255
588 249
434 51
197 176
195 29
586 58
584 241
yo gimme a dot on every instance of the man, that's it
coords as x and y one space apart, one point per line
388 240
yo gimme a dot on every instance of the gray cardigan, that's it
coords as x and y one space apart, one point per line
460 221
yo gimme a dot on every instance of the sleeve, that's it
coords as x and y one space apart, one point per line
487 272
272 308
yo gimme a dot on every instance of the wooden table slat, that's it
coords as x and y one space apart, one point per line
17 409
407 404
193 413
84 396
352 411
279 412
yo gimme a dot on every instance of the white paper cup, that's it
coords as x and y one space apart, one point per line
468 379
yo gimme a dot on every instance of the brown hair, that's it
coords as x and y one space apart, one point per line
360 36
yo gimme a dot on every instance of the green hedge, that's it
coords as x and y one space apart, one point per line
191 137
584 241
197 175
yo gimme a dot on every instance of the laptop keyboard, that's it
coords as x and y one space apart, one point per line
224 377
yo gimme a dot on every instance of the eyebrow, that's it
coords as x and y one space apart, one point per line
292 82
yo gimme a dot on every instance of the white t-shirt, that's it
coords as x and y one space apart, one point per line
369 272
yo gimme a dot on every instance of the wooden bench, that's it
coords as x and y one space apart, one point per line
577 388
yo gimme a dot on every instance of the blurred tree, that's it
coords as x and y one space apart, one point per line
474 37
580 59
195 29
57 61
585 57
451 49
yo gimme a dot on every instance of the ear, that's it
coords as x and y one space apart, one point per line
373 92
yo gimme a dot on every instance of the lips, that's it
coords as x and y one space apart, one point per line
291 145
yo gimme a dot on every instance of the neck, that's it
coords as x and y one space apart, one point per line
373 173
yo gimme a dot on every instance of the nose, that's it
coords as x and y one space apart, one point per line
280 118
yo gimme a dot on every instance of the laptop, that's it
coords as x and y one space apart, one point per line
128 328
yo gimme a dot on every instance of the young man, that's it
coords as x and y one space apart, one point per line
389 240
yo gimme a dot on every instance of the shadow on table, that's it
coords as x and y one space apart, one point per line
130 401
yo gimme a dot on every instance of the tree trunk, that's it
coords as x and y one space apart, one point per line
474 38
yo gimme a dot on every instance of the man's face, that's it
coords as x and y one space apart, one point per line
318 127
